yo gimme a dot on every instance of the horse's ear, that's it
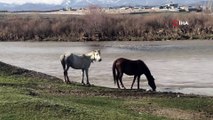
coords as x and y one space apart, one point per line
99 51
93 51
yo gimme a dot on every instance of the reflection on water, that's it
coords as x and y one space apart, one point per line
180 66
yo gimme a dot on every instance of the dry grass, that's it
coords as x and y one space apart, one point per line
99 26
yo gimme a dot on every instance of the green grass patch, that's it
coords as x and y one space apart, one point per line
197 104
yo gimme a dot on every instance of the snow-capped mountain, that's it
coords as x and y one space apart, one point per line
103 3
29 7
107 3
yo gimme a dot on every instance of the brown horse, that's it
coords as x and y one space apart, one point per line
131 67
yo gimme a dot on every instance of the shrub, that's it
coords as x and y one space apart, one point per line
97 25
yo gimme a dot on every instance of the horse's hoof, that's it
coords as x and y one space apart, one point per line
68 82
83 84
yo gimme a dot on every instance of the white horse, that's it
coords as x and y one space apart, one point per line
79 62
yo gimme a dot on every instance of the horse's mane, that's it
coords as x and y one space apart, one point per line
146 67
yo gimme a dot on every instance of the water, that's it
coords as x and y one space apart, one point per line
178 66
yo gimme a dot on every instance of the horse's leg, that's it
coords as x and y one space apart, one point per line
118 84
87 76
67 77
139 82
117 79
133 82
82 77
121 75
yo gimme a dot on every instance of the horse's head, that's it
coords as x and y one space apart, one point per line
96 55
151 82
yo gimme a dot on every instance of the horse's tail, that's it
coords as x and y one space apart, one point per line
62 59
114 72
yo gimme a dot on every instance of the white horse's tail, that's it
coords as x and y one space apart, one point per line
62 59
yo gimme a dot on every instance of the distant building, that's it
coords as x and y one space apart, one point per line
169 6
195 9
172 6
183 9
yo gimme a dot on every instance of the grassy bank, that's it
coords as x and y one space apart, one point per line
99 26
31 95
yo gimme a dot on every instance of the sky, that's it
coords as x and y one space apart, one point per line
32 1
60 1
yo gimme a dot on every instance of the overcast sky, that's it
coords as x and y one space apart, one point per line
60 1
32 1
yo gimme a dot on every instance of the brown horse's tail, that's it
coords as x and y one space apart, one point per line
114 72
62 59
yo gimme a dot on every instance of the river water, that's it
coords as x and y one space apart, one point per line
178 66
